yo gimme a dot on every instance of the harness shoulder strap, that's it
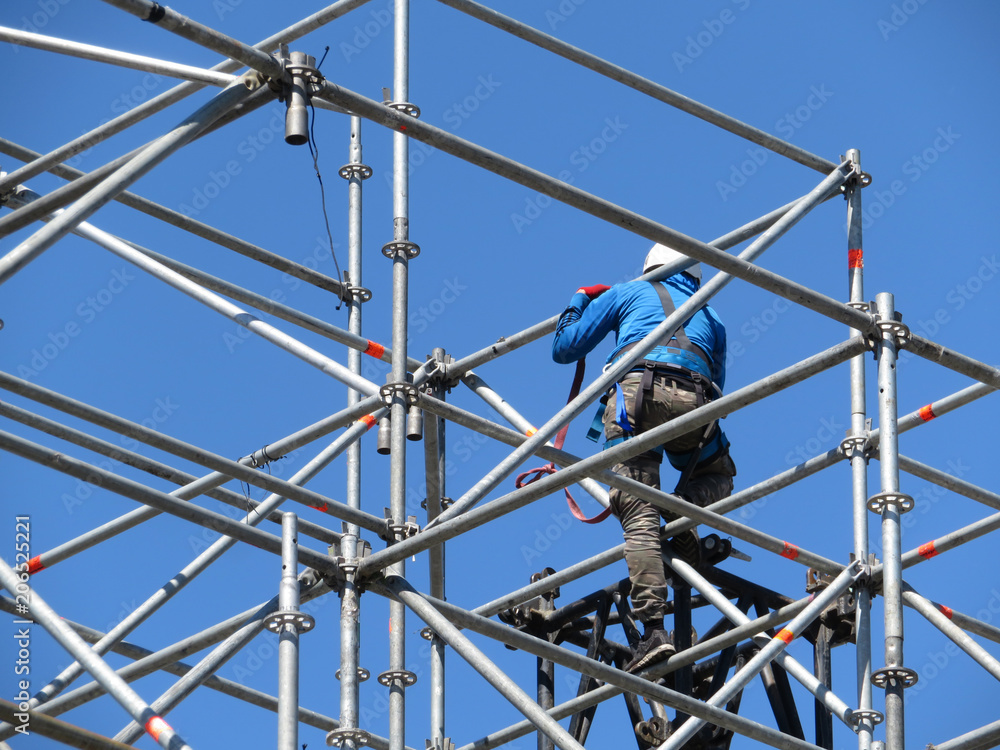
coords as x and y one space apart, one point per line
680 337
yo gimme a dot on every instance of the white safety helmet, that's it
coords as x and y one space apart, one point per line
661 255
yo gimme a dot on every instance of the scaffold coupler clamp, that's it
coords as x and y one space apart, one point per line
871 332
397 532
350 293
437 369
302 79
444 744
405 107
347 567
858 178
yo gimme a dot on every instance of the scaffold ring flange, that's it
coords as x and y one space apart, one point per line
405 107
363 674
407 677
897 330
362 171
888 675
276 621
409 249
389 391
875 717
877 503
360 293
854 444
337 737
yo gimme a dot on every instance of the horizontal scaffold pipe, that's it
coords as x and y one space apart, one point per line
599 207
608 458
82 182
644 85
158 103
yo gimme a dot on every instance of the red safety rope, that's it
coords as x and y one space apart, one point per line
522 481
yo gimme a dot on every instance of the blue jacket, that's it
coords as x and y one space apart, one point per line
632 310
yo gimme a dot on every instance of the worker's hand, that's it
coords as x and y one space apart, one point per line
593 292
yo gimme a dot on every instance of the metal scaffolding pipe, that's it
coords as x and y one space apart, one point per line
160 500
602 209
41 205
824 695
40 164
508 412
944 543
225 468
855 450
350 595
191 571
964 621
115 57
618 681
171 20
978 739
614 372
130 458
478 661
61 731
939 620
949 482
289 622
148 158
891 504
608 458
180 668
147 719
689 656
399 251
199 673
766 655
953 360
663 94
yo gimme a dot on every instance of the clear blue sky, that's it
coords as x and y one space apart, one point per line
912 84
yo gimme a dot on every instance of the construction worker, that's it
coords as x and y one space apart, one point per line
672 380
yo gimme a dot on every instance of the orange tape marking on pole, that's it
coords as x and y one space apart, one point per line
530 431
926 413
375 350
946 611
856 258
927 551
35 564
369 420
790 551
785 635
156 726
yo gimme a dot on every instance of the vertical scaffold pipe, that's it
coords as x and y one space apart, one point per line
400 251
434 470
856 448
286 621
891 503
350 599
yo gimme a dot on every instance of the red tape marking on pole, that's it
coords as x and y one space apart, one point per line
790 551
927 551
785 635
35 564
856 258
946 611
369 420
375 350
926 413
156 726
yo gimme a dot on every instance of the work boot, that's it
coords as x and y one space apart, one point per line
654 646
687 546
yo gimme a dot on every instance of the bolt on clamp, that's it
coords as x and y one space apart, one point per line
407 390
